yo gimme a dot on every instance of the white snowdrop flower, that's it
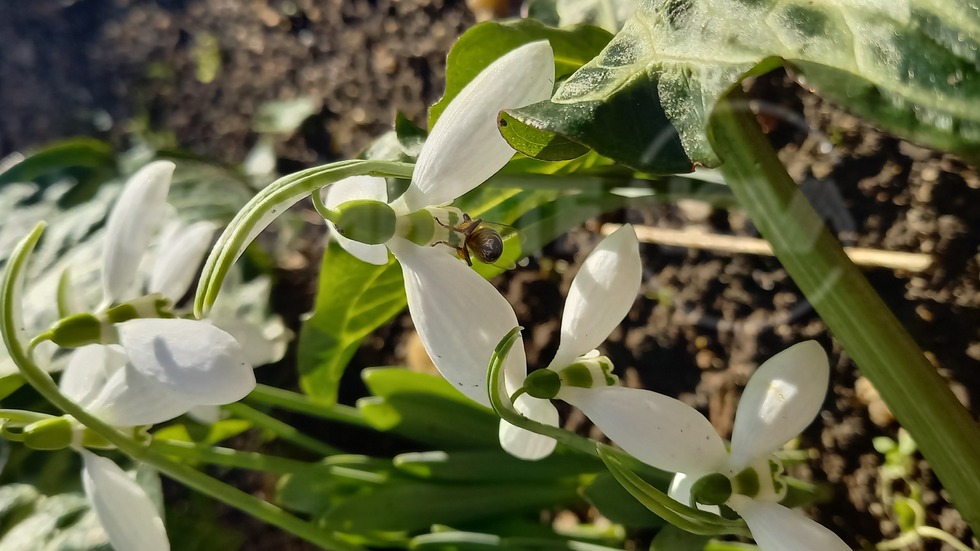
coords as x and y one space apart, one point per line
459 316
600 296
780 400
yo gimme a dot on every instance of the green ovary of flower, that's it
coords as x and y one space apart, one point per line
365 221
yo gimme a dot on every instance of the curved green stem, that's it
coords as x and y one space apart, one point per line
887 355
227 457
301 403
282 430
22 416
42 382
266 206
676 513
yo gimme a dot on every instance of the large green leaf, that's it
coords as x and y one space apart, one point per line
354 299
412 507
912 68
427 409
484 43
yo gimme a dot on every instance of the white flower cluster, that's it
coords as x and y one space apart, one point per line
461 323
146 370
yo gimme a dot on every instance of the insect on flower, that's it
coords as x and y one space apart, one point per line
484 240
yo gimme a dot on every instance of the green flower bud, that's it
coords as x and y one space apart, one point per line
713 489
80 330
543 383
365 221
49 434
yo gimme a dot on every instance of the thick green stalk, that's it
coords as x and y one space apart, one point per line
282 430
884 351
301 403
227 457
184 474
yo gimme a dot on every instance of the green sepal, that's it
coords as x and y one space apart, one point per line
49 434
543 383
365 221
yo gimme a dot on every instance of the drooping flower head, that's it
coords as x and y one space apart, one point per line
459 316
144 365
780 400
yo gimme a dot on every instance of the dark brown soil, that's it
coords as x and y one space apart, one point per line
709 319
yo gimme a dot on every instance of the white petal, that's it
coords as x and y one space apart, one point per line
206 415
179 258
258 347
133 221
776 528
680 490
460 318
88 369
600 295
465 147
130 398
658 430
196 360
355 187
372 254
349 189
125 511
525 444
781 399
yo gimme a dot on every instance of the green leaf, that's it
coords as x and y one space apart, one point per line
472 541
671 538
57 158
496 465
484 43
616 504
412 507
283 117
193 525
426 408
542 145
336 479
911 68
354 299
203 434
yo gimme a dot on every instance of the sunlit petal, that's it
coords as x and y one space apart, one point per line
125 511
206 415
465 147
262 343
372 254
656 429
129 398
178 259
196 360
133 221
600 295
88 369
781 399
460 318
525 444
776 528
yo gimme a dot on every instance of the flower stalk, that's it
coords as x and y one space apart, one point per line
920 398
